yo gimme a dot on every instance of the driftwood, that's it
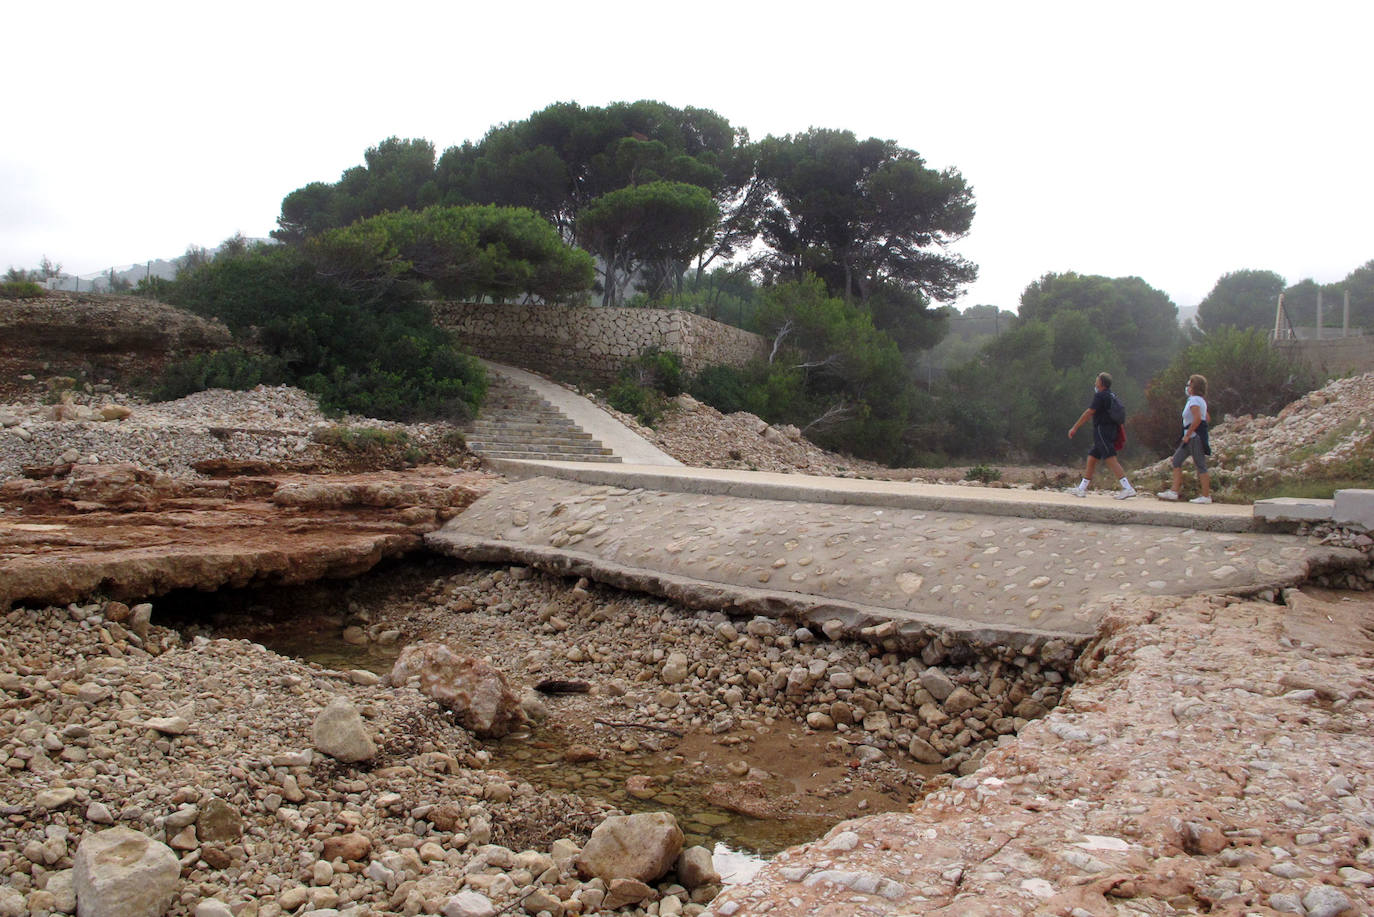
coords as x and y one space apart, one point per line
671 732
554 686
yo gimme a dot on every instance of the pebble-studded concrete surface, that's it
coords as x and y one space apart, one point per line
1026 574
1214 757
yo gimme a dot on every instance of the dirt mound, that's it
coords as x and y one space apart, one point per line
95 338
1309 438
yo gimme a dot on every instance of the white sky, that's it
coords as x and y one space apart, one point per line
1172 141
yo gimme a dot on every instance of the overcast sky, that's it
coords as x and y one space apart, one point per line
1171 141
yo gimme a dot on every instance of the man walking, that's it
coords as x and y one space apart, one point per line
1105 431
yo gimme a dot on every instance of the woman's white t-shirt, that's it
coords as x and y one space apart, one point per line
1188 412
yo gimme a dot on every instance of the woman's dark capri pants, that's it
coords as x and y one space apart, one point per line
1193 448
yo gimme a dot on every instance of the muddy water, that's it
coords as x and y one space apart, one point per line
687 780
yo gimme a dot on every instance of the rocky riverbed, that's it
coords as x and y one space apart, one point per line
114 720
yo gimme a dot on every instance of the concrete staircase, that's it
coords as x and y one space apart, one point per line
516 423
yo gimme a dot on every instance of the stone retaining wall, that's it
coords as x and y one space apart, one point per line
592 343
1335 356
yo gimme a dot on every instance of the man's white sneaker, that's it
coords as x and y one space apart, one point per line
1124 494
1167 495
1201 500
1076 491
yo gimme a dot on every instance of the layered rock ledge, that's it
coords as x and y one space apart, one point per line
73 531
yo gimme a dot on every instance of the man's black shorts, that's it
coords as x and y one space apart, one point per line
1104 441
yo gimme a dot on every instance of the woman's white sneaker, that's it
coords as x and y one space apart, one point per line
1167 495
1124 494
1201 500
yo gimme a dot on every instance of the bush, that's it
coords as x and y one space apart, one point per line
724 388
1245 375
660 370
985 473
21 289
360 439
364 349
238 370
644 403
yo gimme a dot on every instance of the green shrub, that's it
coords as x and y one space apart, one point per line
21 289
238 370
724 388
1245 375
360 439
660 370
644 403
366 349
985 473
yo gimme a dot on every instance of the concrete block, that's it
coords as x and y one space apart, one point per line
1295 509
1355 507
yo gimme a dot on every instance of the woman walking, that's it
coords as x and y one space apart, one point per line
1194 442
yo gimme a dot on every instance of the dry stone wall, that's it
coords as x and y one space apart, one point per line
592 343
1333 356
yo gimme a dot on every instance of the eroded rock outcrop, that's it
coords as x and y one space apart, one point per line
69 531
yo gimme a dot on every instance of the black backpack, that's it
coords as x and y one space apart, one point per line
1117 412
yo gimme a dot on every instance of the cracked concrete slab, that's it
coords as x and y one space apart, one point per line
882 573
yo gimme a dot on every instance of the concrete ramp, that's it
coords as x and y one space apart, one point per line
909 579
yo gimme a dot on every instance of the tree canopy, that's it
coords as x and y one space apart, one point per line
1300 300
397 174
563 157
1140 322
463 252
861 213
868 217
661 225
1241 299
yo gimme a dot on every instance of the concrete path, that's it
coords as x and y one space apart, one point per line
871 560
992 501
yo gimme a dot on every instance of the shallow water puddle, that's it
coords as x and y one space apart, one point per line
759 794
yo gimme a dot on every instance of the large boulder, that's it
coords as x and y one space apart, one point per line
122 873
472 689
642 847
339 732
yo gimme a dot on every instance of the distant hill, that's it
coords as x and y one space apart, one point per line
1187 315
99 282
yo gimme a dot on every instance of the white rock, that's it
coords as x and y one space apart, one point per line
122 873
468 904
340 733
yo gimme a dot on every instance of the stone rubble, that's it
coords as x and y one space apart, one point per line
1324 427
277 425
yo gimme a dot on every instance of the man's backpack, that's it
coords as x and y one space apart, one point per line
1117 412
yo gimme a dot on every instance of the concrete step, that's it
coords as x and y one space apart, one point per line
550 457
511 426
553 437
537 446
